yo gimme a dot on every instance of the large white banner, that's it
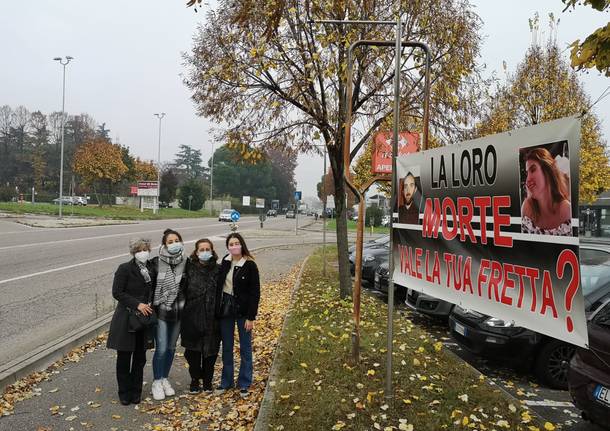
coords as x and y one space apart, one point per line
492 225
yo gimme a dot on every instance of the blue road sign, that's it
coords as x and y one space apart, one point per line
234 215
297 196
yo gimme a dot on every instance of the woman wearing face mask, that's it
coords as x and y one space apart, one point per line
132 288
168 303
200 334
240 285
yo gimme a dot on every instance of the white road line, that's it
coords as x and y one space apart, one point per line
89 262
547 403
114 235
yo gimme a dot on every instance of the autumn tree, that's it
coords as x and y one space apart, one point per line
544 88
594 51
144 171
100 165
274 78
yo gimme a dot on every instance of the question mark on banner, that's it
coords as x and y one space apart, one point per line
568 257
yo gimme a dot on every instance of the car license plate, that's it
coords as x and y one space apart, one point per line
460 329
602 394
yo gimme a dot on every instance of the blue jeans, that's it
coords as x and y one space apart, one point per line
227 334
166 336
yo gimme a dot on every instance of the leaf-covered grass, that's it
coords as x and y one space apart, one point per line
318 388
116 212
351 225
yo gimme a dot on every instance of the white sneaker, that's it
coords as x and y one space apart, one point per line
167 388
157 390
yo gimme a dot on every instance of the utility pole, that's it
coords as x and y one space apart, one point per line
156 207
64 63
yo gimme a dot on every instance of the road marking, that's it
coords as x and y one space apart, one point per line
114 235
89 262
548 403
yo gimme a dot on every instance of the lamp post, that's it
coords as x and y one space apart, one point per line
212 175
323 211
156 208
64 62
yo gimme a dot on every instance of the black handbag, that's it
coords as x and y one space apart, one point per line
138 321
228 306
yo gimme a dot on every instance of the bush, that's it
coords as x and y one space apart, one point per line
192 188
7 193
374 214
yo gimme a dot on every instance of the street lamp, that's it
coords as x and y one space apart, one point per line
212 176
156 207
323 211
64 63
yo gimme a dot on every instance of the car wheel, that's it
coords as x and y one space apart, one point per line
552 363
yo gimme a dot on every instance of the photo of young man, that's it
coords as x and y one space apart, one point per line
410 194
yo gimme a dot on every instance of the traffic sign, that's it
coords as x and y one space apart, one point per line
235 215
297 196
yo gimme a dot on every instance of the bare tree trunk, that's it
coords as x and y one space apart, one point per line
345 279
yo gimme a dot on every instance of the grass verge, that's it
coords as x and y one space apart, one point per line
351 225
317 388
114 212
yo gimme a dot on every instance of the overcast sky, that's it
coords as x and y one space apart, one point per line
128 64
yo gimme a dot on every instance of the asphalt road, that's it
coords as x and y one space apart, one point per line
54 280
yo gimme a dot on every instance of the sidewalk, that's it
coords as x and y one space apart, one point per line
83 394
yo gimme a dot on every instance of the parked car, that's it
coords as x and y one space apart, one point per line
589 373
427 304
382 282
164 204
495 337
225 215
79 200
382 240
65 200
290 214
371 258
385 221
272 213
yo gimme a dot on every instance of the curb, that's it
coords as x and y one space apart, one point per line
44 356
262 420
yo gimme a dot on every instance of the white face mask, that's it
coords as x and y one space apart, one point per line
142 256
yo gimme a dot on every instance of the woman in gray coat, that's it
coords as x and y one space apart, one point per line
199 330
133 289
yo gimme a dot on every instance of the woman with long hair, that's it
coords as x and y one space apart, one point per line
168 303
546 210
240 285
199 329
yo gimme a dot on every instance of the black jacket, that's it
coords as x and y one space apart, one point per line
129 289
199 329
246 286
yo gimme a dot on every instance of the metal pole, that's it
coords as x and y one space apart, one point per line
324 215
156 207
296 218
388 389
212 175
61 157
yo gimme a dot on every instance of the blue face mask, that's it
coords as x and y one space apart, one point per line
204 256
174 248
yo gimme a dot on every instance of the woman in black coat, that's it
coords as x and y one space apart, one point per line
239 283
199 330
133 289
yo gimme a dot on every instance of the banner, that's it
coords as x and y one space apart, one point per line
381 157
147 188
492 225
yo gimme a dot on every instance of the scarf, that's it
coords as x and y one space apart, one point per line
171 268
143 270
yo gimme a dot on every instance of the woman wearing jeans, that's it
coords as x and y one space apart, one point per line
240 285
168 303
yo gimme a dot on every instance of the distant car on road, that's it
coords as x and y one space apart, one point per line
495 337
589 374
272 213
66 200
290 214
79 200
225 215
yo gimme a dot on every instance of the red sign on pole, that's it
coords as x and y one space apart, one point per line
382 149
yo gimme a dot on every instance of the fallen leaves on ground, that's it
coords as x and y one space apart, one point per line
26 387
229 411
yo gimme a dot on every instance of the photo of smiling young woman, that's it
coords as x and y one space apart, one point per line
546 208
